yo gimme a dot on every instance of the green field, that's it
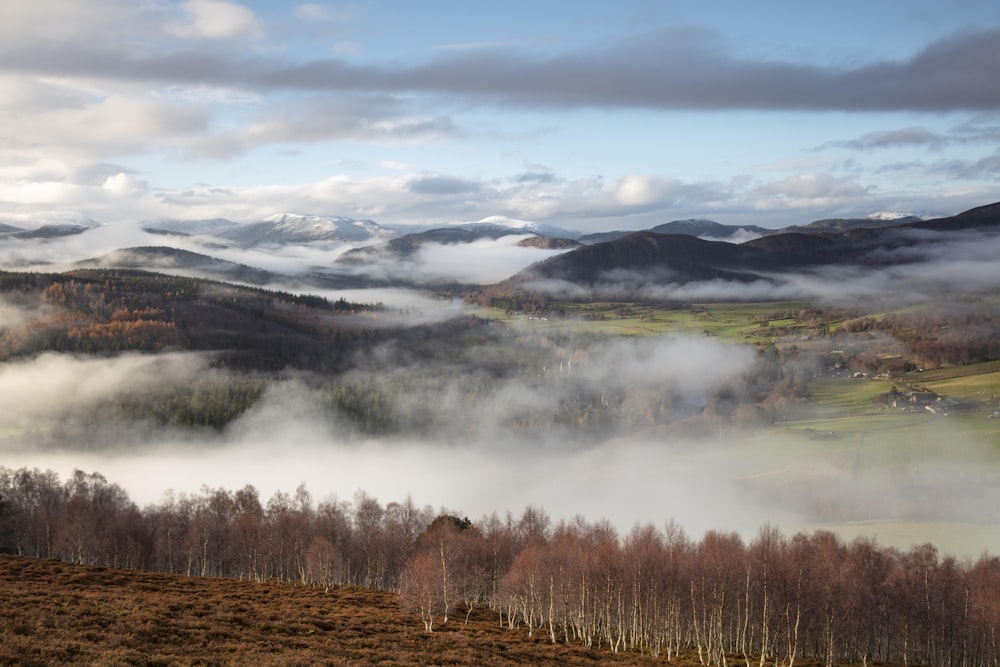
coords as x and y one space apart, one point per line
743 322
974 382
865 468
843 406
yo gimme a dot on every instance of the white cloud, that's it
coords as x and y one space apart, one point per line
45 193
63 20
108 81
811 189
216 19
71 121
635 190
123 185
485 261
223 95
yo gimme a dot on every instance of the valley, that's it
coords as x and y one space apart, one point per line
848 421
527 333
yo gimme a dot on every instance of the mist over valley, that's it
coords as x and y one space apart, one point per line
530 333
479 373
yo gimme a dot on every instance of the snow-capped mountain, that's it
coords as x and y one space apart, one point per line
529 226
910 215
296 228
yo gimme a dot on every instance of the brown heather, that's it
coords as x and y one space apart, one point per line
54 613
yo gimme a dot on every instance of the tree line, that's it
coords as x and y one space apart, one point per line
774 599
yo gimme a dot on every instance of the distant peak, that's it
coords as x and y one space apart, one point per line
38 219
304 218
507 222
527 226
891 215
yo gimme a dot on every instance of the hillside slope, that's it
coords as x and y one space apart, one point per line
58 613
649 257
105 311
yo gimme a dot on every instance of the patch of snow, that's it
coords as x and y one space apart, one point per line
897 215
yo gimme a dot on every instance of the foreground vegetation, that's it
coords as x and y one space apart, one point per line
63 614
652 592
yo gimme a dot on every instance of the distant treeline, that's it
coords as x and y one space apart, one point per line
774 600
944 335
489 387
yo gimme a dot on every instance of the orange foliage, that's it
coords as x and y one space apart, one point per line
135 334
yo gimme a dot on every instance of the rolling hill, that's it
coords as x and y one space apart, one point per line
175 227
645 257
59 613
109 311
670 256
708 228
180 262
405 246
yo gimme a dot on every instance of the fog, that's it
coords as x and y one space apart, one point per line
480 452
287 439
474 461
482 261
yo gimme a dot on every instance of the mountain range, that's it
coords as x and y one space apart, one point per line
364 253
648 257
293 228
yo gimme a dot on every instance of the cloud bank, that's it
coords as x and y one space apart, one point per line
665 69
208 108
737 481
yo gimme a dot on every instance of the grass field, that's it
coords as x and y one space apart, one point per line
731 321
974 382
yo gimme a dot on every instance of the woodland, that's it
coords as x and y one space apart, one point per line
651 591
259 336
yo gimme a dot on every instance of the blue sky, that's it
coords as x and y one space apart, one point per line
588 115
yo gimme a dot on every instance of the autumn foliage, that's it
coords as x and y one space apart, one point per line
651 592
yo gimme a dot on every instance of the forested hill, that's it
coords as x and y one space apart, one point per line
97 311
673 254
979 217
624 266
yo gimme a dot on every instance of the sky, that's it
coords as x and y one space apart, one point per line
587 115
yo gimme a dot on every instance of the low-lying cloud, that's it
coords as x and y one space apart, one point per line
474 457
479 429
